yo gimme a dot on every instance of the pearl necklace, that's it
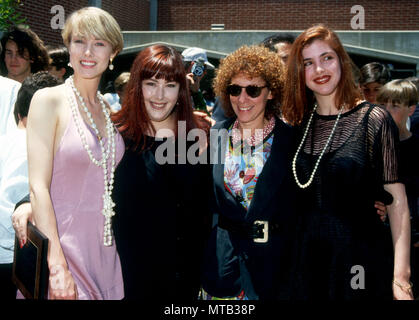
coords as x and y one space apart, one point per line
108 204
257 137
294 161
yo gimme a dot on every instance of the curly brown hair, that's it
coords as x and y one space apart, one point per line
254 61
25 38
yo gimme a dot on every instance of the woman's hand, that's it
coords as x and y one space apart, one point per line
20 218
381 210
61 284
203 120
402 290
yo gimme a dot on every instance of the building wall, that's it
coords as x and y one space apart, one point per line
130 14
234 14
38 17
181 15
285 14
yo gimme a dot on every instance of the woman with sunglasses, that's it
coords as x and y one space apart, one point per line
346 154
248 249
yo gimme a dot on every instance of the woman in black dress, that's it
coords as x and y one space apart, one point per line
346 153
162 208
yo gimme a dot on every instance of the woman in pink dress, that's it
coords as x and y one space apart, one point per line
73 149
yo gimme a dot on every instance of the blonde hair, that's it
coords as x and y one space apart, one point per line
93 22
400 91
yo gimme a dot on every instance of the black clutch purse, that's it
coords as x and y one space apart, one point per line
30 266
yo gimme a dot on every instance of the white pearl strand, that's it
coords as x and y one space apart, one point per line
108 204
294 161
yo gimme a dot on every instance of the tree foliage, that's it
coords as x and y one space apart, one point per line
10 15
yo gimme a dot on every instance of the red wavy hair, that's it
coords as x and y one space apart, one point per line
298 100
163 62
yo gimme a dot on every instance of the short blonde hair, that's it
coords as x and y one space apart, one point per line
93 22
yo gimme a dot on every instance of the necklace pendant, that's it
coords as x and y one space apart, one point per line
110 151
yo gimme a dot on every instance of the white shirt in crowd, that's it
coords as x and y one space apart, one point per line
113 100
13 186
8 94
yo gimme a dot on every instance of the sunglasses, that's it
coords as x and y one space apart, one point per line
252 91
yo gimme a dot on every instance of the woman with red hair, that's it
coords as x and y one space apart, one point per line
347 153
162 213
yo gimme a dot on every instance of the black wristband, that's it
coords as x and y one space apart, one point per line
25 199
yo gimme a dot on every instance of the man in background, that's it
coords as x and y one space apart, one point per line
14 176
8 93
24 53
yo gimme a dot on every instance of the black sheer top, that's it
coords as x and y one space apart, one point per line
339 227
361 157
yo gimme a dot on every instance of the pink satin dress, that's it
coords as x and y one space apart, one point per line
77 188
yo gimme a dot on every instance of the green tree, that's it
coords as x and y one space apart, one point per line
9 14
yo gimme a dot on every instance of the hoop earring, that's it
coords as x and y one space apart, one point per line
111 65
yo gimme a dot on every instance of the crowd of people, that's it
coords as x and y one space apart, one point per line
307 168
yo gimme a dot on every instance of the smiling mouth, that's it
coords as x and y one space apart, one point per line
245 108
157 106
88 63
322 80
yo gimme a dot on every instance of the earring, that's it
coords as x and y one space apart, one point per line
69 64
111 65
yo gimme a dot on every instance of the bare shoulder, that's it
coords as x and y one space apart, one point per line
50 95
48 101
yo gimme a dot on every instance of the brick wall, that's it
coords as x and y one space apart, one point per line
285 14
130 14
235 14
38 17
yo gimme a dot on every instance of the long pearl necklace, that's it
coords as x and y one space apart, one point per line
294 161
108 204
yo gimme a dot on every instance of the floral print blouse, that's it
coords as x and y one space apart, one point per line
244 161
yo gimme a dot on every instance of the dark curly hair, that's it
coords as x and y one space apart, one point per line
374 72
271 41
59 58
30 85
27 39
254 61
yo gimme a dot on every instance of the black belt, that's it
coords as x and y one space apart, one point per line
259 230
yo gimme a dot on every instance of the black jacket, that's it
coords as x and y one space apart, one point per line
161 224
234 263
